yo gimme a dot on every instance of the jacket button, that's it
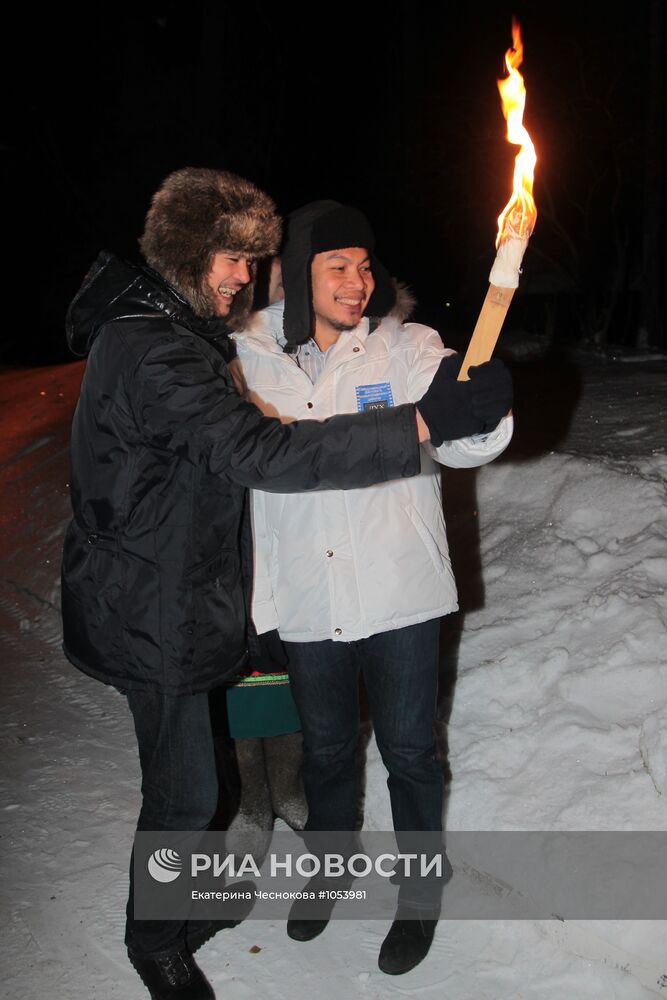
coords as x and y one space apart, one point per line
309 405
338 631
355 350
93 539
329 553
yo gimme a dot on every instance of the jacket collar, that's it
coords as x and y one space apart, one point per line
265 332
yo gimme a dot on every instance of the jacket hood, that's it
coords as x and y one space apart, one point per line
114 290
198 212
318 226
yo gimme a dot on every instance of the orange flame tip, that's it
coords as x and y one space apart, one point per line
517 219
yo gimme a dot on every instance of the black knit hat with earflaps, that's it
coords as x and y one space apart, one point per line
315 228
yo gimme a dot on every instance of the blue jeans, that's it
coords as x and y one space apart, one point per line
179 788
400 672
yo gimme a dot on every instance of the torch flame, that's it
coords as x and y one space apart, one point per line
518 217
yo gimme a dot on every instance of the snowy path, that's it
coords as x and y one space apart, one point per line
557 718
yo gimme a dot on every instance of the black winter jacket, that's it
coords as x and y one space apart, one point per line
162 451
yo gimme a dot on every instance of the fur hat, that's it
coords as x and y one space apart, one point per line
314 228
198 212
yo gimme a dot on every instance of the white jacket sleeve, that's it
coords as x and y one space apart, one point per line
465 453
264 613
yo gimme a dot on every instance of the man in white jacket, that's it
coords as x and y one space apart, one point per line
358 580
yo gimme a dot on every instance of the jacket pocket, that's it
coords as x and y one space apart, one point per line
91 593
219 609
437 557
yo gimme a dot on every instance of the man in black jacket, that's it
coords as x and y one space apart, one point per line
157 558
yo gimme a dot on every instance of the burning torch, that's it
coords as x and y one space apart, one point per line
517 220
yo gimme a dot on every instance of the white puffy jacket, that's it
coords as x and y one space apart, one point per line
344 565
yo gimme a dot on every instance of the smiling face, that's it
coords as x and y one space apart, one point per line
342 284
228 274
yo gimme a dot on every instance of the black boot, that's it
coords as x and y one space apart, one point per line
201 931
308 918
303 929
198 932
301 926
172 975
406 945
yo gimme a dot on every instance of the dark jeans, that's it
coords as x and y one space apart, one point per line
400 672
179 788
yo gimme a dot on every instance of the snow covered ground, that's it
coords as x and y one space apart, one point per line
554 707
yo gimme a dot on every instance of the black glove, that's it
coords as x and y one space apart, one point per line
453 410
271 657
492 392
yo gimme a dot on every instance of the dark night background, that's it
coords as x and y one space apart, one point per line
392 107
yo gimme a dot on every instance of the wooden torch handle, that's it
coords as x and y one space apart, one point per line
488 326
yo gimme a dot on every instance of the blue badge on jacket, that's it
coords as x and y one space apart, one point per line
374 397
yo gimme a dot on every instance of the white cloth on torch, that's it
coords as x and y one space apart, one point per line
507 265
